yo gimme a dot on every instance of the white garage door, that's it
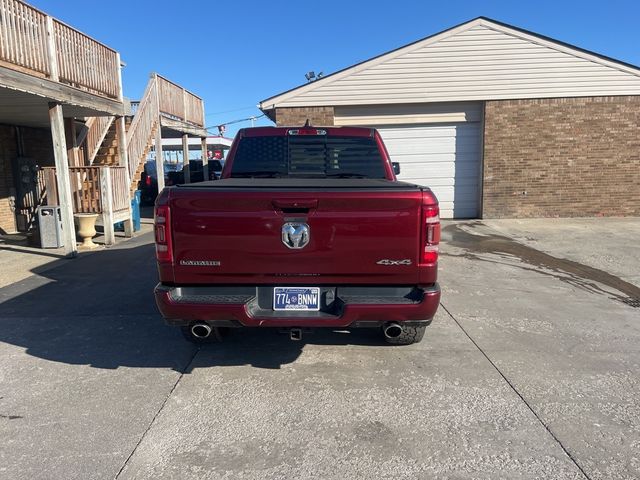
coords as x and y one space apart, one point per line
442 156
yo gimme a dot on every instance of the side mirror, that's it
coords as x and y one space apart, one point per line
396 167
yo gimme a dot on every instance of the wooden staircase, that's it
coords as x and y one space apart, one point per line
108 154
136 175
100 144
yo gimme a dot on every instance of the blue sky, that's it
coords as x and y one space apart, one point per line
234 54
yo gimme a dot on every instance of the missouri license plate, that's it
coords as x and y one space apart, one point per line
296 298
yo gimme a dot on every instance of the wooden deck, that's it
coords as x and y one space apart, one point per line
34 43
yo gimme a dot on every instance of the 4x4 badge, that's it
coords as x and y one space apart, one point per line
386 261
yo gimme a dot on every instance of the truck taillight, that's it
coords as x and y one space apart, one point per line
162 228
431 233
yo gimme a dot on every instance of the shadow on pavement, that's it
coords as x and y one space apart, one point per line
269 348
99 310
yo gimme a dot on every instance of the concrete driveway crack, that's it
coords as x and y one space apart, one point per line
185 369
515 390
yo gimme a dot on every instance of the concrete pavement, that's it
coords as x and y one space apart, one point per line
528 371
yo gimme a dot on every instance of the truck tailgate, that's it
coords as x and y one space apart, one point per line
234 236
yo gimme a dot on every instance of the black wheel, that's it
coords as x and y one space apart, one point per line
216 335
410 334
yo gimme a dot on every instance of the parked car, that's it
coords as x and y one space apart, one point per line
196 172
148 184
308 227
215 169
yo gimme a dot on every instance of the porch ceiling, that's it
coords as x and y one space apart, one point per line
24 100
29 110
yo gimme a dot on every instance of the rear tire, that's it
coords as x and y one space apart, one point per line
410 335
214 337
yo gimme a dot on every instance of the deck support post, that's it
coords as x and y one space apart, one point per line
159 157
205 158
71 136
62 179
185 159
121 134
106 197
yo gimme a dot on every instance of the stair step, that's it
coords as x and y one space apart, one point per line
107 150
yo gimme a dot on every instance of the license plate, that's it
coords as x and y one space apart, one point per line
296 298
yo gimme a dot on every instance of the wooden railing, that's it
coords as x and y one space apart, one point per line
85 189
90 140
85 63
35 43
143 127
23 38
121 199
179 103
89 188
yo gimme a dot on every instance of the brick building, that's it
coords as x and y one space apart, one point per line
498 121
17 144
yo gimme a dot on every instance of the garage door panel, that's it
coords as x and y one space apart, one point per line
448 193
417 150
432 130
470 157
444 157
421 135
435 145
461 140
446 181
438 169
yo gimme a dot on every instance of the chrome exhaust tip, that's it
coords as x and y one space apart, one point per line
392 330
201 330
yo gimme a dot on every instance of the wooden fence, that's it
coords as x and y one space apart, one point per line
121 199
35 43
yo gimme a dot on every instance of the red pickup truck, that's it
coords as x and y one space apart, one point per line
308 227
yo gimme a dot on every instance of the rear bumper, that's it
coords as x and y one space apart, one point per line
251 306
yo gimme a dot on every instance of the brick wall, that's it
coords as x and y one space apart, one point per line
294 116
38 145
8 151
562 157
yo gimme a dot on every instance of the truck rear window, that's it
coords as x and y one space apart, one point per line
308 156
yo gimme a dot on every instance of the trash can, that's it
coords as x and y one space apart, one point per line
135 209
50 226
135 213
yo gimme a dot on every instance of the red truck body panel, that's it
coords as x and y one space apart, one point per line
350 233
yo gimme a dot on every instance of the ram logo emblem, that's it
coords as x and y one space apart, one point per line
295 235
